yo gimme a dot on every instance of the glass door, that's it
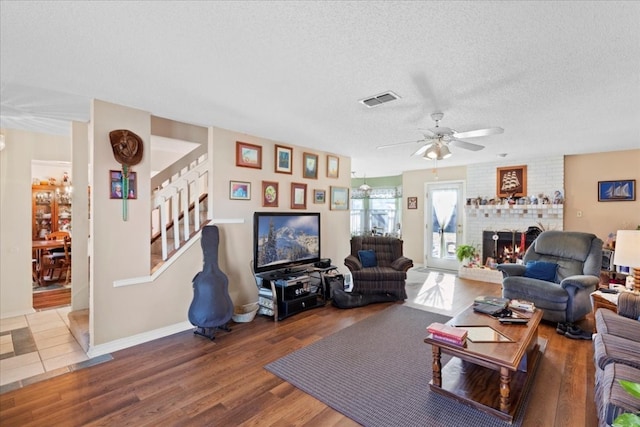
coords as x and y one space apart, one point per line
443 224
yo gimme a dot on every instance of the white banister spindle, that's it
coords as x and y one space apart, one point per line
185 209
175 216
196 205
163 227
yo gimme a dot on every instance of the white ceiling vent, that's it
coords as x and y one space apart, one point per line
376 100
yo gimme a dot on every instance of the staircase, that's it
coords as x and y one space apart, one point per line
179 211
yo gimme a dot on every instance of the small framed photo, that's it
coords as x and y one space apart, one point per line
239 190
298 196
333 166
412 203
511 181
319 196
269 194
310 165
339 200
117 185
617 191
248 155
283 157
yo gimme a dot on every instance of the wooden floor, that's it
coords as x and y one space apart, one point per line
187 380
52 298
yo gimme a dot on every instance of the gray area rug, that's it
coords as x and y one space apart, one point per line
377 373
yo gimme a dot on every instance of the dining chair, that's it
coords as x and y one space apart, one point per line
57 264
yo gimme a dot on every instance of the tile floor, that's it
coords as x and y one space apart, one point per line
36 344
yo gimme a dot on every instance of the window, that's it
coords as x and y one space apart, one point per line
377 212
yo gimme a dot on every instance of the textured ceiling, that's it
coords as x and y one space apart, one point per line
559 77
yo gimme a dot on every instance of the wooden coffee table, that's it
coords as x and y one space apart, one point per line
490 376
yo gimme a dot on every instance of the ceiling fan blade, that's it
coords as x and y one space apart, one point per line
422 149
428 133
466 145
479 132
396 144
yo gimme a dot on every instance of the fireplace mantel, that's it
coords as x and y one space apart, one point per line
515 211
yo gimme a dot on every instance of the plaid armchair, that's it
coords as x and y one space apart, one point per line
389 274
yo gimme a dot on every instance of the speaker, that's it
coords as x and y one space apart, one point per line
323 263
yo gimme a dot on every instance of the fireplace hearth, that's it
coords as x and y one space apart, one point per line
507 246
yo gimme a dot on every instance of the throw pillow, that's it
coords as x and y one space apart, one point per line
368 258
541 270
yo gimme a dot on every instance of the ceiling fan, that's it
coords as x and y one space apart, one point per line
438 139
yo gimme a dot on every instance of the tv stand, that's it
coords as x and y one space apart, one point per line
283 293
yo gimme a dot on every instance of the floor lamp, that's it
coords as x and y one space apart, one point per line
627 253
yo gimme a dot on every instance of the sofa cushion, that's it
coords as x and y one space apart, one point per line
611 399
612 349
541 270
608 322
368 258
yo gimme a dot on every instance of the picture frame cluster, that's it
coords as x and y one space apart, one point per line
250 156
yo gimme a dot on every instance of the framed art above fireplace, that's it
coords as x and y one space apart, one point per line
511 181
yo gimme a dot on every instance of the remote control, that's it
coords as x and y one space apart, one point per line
513 320
609 291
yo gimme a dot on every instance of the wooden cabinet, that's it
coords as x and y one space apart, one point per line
51 210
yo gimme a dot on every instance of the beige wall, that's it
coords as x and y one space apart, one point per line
15 212
582 173
236 244
120 249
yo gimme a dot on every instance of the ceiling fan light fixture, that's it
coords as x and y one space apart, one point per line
432 153
437 152
444 152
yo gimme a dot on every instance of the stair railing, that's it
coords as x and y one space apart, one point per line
172 202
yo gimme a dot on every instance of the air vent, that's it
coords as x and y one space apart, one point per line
376 100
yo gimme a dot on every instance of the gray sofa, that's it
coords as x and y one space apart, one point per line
617 357
575 258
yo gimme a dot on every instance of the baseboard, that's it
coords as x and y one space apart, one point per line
133 340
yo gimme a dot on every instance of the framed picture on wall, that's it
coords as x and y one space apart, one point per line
310 166
339 199
269 194
248 155
511 181
239 190
617 191
319 196
298 195
117 187
283 157
412 203
333 166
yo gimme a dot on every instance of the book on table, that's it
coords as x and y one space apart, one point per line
490 305
497 301
447 331
448 339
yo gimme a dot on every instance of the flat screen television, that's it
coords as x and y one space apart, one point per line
285 240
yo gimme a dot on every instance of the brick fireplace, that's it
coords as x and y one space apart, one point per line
505 246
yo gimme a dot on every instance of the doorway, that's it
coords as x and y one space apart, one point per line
443 224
